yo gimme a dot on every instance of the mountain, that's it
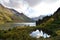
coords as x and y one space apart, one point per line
12 16
52 21
40 17
21 17
56 15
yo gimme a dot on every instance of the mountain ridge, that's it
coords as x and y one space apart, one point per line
9 16
50 20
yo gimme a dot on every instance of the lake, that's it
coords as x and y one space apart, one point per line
11 25
24 24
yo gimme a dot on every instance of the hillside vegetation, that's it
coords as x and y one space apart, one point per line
12 16
49 24
52 21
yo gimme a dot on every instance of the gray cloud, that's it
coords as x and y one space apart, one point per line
19 5
50 1
33 2
22 6
12 3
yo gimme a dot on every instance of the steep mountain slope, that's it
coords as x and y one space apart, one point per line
51 18
5 14
21 16
9 15
56 15
52 21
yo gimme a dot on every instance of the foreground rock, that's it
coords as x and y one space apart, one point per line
38 34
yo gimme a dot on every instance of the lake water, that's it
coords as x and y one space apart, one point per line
11 25
24 24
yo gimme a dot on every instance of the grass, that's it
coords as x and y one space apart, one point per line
11 32
22 33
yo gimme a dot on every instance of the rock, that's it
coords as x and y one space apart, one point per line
35 34
48 36
45 35
39 34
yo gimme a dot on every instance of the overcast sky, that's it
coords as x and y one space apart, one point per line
33 8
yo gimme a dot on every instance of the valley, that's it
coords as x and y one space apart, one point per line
15 25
